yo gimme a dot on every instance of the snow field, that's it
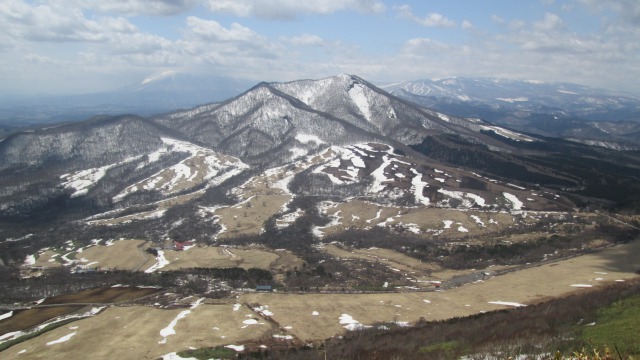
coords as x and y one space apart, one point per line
516 204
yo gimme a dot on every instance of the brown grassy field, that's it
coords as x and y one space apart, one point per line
531 285
219 257
48 259
134 333
122 255
248 218
131 255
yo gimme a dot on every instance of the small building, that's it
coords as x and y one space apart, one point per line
180 245
264 288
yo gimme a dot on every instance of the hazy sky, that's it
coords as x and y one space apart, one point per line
70 46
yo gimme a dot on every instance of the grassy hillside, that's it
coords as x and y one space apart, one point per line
597 321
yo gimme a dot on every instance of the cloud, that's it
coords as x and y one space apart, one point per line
543 49
431 20
212 30
549 23
497 19
467 25
627 10
56 23
289 9
139 7
306 40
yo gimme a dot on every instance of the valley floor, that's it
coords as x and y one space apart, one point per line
146 332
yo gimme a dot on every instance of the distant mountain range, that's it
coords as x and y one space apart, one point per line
337 138
570 111
581 113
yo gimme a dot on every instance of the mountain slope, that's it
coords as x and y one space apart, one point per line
339 110
551 109
302 150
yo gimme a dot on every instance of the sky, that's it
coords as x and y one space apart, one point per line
80 46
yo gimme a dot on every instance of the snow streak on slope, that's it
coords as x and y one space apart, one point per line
202 166
393 175
82 181
516 204
360 99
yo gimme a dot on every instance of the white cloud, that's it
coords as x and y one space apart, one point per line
467 25
212 30
139 7
627 10
431 20
549 23
497 19
306 40
57 23
288 9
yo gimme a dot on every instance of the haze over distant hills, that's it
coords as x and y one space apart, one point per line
157 94
564 110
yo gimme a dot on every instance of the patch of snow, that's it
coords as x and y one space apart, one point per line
477 220
161 262
236 307
250 322
298 152
414 228
283 337
507 133
516 204
350 323
516 186
506 303
306 139
30 260
582 285
169 330
62 339
357 95
444 117
447 224
82 181
263 310
315 313
6 315
175 356
417 186
288 219
376 217
462 229
237 348
378 176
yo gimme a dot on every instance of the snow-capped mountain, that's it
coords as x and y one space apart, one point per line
339 110
564 110
337 138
